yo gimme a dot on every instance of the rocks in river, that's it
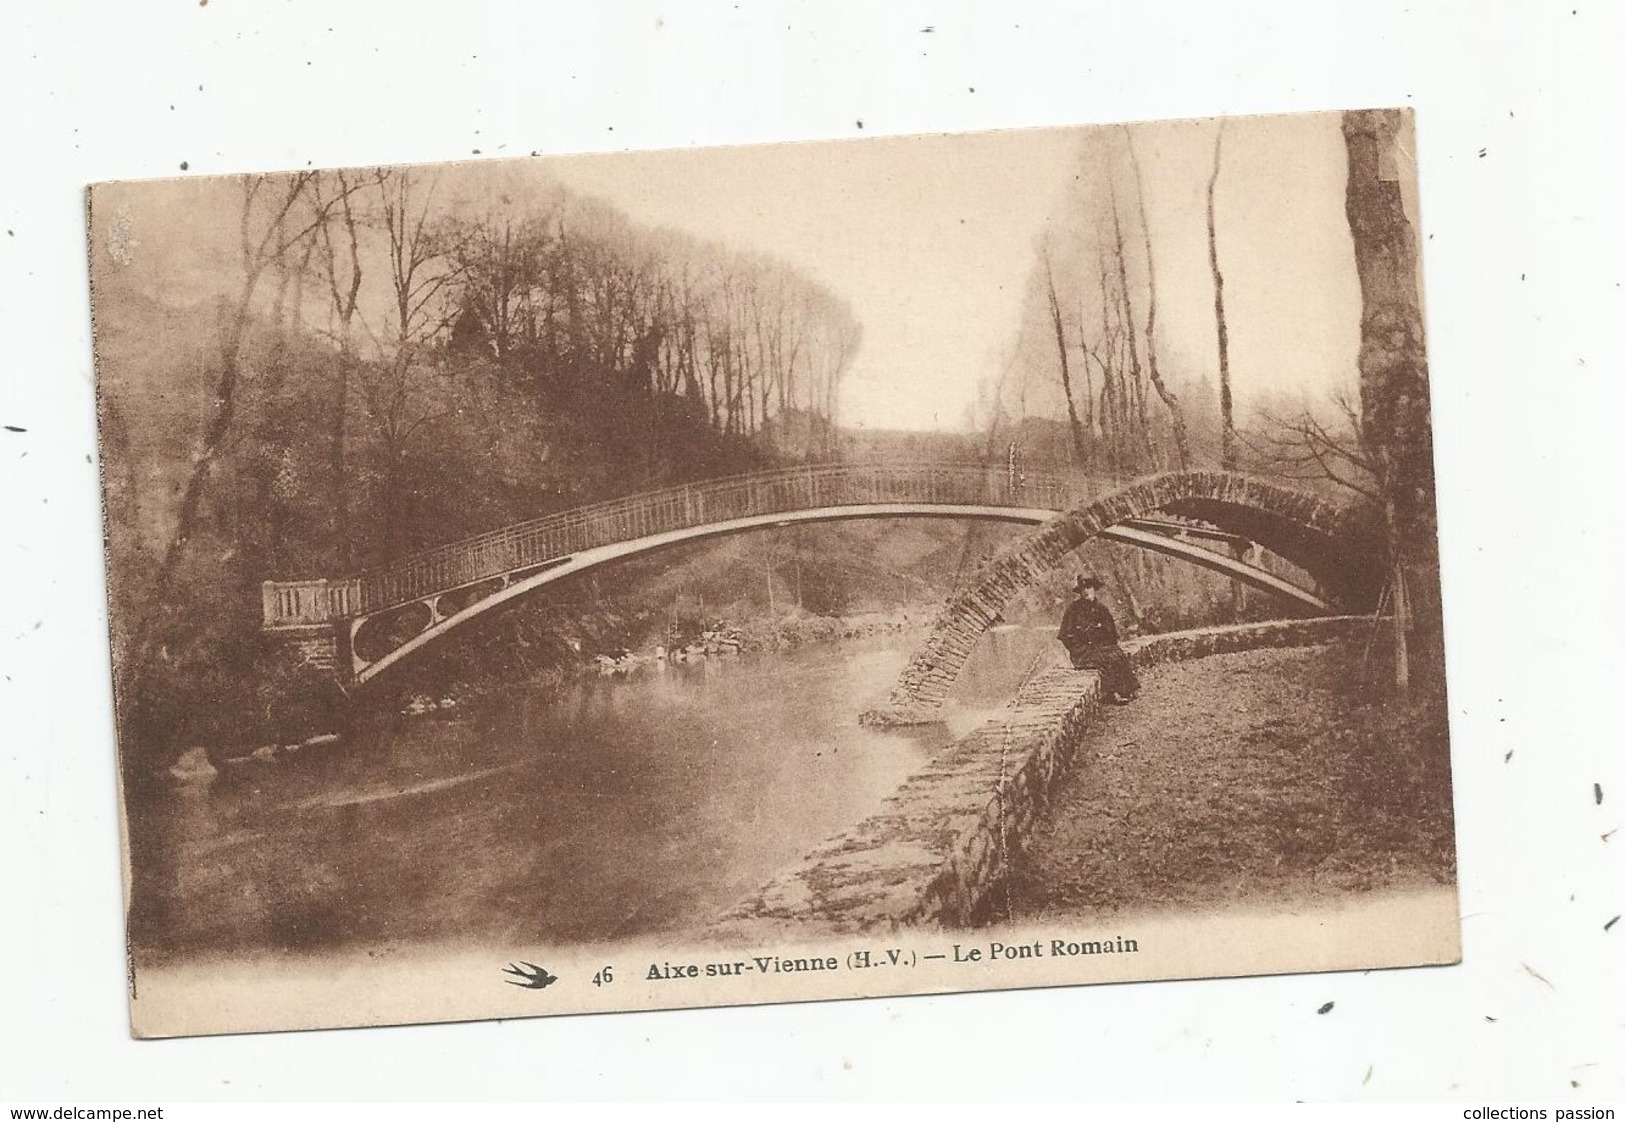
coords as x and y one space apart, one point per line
723 640
622 663
795 631
720 640
417 705
194 763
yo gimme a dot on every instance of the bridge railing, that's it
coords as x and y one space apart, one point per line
308 603
553 537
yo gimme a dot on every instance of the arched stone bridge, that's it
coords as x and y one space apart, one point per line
359 627
1334 544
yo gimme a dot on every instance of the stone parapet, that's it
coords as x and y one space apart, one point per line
1178 646
1148 650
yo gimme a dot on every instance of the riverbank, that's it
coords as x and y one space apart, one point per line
721 639
1246 779
783 633
549 662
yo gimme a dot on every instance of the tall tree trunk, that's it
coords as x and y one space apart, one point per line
344 286
1080 447
340 500
1227 417
1124 398
1395 421
1176 413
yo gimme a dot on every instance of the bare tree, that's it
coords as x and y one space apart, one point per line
1131 398
498 262
1080 445
1227 418
341 264
419 272
1305 447
1176 413
400 402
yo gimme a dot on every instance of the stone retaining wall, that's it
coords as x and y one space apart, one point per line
1180 646
938 851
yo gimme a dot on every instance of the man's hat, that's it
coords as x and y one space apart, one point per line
1088 580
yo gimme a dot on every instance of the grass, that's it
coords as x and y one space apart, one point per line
1249 777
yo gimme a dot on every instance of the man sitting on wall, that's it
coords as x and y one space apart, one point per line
1090 636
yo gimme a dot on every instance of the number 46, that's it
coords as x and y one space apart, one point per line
604 977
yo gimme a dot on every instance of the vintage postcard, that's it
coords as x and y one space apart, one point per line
768 574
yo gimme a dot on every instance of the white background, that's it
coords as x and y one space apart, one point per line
1519 132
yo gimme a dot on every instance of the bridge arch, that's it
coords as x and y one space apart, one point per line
360 627
438 621
524 583
1333 543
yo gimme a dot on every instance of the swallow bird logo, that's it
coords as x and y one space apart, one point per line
531 976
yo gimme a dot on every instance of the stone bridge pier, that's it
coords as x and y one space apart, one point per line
307 629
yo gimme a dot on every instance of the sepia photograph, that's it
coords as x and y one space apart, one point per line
773 573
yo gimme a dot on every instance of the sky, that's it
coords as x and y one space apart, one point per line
932 240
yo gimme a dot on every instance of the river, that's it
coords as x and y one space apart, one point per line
613 808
